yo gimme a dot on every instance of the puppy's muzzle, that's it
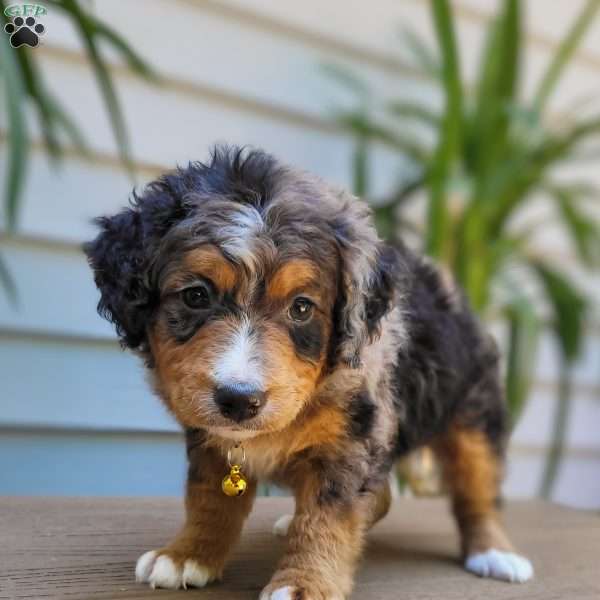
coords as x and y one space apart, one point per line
239 401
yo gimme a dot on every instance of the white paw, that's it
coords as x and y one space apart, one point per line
507 566
196 575
282 525
284 593
144 566
162 572
289 593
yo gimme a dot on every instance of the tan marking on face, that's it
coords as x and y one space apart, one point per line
206 261
290 381
183 372
293 275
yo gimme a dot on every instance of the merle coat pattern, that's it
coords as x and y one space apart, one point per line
355 352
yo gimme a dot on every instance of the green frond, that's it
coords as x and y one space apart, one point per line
496 91
564 53
524 328
408 111
445 157
18 140
422 57
569 307
360 125
346 78
527 170
8 283
582 228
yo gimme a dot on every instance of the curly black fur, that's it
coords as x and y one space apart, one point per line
123 254
450 368
130 250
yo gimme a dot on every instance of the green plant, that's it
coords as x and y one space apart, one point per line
492 154
24 85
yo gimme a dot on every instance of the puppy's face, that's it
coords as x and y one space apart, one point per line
241 282
237 351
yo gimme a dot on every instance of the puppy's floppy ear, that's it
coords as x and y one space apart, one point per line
382 288
369 271
122 255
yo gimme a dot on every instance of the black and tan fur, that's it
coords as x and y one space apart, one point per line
391 359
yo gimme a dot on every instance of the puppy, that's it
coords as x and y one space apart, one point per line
275 323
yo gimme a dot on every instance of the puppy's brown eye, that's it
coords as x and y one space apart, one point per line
301 309
196 297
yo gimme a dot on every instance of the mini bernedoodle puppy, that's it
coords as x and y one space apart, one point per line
274 321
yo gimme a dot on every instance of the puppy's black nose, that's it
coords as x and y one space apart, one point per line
239 401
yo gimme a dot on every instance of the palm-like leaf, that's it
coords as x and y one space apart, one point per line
445 156
569 308
583 229
347 79
559 433
51 115
18 140
523 333
407 111
497 86
8 282
23 82
90 31
360 167
562 57
363 126
487 143
421 56
527 171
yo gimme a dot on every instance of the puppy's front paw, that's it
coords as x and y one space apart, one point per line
498 564
161 571
282 525
300 590
283 593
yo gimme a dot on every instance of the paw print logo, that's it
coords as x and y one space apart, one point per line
24 31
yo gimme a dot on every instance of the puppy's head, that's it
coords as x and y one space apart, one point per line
243 283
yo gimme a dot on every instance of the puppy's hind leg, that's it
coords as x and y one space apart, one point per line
472 471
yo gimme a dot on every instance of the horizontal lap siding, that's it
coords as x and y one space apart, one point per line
577 484
169 128
76 415
57 292
48 463
377 33
76 384
62 381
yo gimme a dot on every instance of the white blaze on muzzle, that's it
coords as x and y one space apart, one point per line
239 363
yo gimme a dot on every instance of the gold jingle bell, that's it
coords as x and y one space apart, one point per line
235 483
